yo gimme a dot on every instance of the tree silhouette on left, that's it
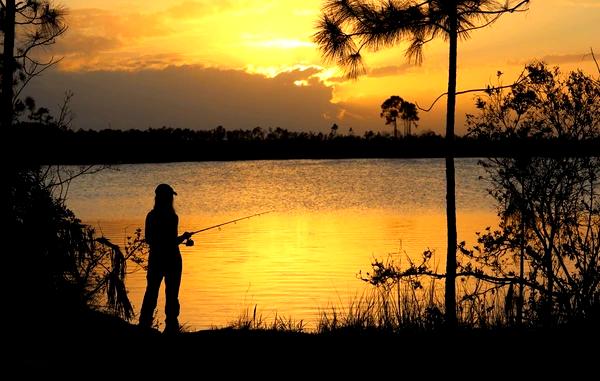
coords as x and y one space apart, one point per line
349 26
26 26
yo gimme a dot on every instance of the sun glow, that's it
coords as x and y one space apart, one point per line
271 38
281 43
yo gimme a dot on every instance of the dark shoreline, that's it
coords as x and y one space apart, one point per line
34 145
101 339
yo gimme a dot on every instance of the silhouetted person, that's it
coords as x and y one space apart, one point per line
164 260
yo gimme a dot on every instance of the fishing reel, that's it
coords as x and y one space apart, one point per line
189 242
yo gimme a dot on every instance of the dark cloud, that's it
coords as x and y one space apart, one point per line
81 44
194 97
383 71
567 58
145 61
557 59
299 74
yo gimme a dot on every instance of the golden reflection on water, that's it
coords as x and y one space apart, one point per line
296 264
331 219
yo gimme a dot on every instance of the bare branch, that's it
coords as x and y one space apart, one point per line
33 74
518 81
85 170
595 60
65 115
490 22
37 40
506 9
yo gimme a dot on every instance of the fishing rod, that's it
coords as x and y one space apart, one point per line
190 242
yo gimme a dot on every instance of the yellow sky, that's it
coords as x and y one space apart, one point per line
272 36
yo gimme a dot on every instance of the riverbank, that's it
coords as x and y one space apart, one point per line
100 346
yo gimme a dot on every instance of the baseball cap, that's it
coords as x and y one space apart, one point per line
164 189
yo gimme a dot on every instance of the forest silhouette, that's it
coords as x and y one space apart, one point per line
47 144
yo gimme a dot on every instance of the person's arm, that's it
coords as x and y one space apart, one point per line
185 236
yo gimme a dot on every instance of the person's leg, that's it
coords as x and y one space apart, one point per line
154 278
172 283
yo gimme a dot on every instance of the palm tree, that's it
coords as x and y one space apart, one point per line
390 110
410 116
349 26
395 107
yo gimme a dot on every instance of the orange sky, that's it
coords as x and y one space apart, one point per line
270 37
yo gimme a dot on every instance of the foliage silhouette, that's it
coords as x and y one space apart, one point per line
27 26
542 266
549 210
69 268
349 26
395 107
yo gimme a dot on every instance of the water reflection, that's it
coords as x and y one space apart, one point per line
331 219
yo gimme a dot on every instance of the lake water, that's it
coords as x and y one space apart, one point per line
330 219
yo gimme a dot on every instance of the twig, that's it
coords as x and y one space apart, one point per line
520 79
595 60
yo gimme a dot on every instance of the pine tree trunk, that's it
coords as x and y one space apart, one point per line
548 302
8 64
450 295
521 271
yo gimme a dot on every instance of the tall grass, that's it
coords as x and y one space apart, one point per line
401 307
393 310
256 321
387 309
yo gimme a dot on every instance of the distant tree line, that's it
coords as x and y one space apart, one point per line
49 143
